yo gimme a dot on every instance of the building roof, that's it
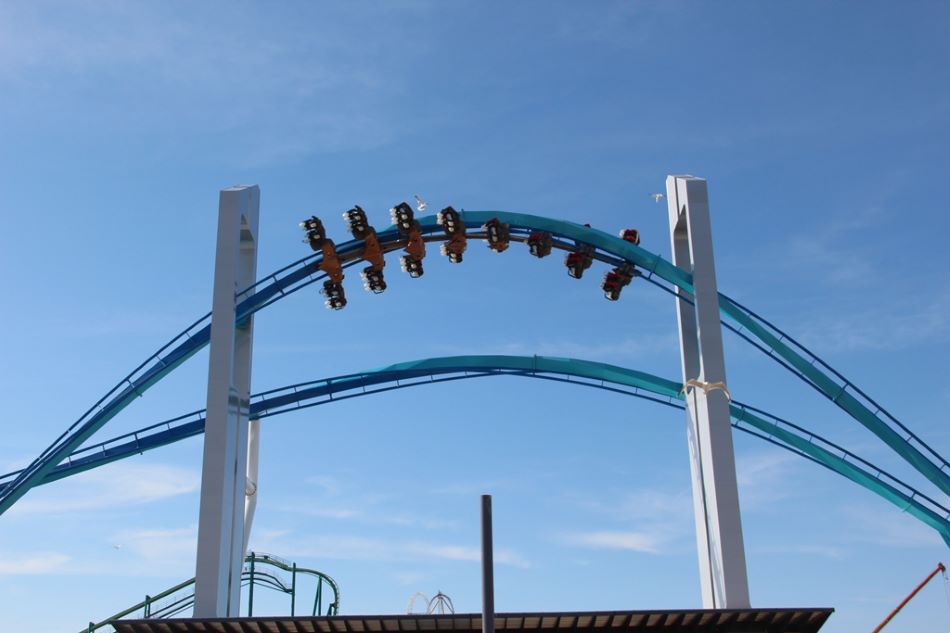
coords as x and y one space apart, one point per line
657 621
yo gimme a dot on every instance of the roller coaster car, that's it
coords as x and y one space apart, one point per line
336 297
359 226
403 217
450 221
372 251
411 265
539 244
615 281
577 262
373 280
313 227
416 246
630 235
454 248
411 262
331 262
498 235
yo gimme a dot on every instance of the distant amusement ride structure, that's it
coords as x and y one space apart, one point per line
230 423
439 603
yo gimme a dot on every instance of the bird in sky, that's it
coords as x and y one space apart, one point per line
420 204
656 196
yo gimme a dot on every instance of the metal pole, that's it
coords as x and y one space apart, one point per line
910 597
722 567
250 590
488 576
319 609
293 589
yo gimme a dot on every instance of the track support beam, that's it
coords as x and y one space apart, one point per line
719 540
221 535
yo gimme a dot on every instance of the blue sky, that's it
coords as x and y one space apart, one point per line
822 130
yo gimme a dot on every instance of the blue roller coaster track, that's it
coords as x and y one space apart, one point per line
746 418
756 330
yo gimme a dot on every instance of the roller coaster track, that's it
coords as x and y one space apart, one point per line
629 382
567 236
181 597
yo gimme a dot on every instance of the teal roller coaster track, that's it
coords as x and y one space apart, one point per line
260 570
745 418
64 456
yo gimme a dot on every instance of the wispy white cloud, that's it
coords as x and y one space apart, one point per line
331 513
825 551
370 514
830 250
465 553
410 578
649 543
309 349
763 478
890 325
8 465
885 527
844 252
197 71
412 520
162 547
466 488
448 552
654 521
265 534
658 505
512 558
832 552
340 500
31 564
329 485
134 552
122 322
531 481
620 24
349 547
111 486
649 504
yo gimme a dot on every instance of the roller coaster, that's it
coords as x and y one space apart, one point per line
745 418
583 245
260 570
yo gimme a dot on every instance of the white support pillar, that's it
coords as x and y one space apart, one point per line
253 476
722 565
224 469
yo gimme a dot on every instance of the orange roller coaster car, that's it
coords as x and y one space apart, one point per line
331 262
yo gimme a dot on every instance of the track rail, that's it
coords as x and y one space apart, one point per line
181 597
746 418
284 282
